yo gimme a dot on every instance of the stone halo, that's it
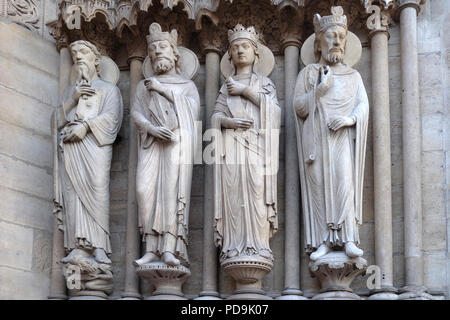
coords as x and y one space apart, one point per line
188 61
263 66
352 55
109 71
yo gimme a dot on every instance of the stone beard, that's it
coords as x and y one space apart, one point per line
163 65
245 194
89 122
164 110
335 57
332 110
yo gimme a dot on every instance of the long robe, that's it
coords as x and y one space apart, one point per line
245 186
164 169
83 169
331 163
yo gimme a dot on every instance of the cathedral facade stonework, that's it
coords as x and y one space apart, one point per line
196 70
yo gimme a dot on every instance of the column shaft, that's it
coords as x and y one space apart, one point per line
133 237
212 66
58 283
412 184
382 156
292 182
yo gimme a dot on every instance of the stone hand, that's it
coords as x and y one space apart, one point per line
237 123
235 88
161 133
153 85
75 133
326 80
82 90
340 122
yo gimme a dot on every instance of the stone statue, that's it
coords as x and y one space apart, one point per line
88 123
332 110
165 109
247 119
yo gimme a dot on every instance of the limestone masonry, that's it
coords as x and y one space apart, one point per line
219 149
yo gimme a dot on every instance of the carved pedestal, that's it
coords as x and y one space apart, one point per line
167 280
414 293
336 271
384 293
86 278
247 271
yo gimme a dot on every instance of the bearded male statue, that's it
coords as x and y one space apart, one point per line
332 110
164 110
88 123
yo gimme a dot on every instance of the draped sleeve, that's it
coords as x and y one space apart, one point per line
361 114
106 125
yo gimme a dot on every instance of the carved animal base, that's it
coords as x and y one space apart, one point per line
166 279
247 271
86 278
336 271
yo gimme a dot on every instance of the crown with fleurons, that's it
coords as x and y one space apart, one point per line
337 18
240 32
156 34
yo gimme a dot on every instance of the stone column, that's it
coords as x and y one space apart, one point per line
58 282
292 210
378 23
412 183
131 291
212 82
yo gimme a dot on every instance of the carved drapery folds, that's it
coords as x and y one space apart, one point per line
201 24
23 12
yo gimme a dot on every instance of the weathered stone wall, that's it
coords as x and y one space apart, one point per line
29 68
434 64
28 95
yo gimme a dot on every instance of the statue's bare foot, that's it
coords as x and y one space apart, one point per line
147 258
101 257
321 251
170 259
352 250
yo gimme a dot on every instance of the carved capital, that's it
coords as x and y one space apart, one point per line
211 40
291 27
291 40
136 49
58 32
384 4
402 4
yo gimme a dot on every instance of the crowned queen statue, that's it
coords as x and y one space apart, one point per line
247 120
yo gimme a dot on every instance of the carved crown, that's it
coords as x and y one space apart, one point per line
240 32
156 34
337 18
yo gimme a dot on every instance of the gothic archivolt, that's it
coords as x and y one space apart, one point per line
202 24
